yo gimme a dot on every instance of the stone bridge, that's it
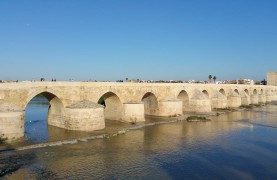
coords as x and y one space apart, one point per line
75 105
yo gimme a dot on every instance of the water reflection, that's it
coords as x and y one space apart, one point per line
231 146
36 128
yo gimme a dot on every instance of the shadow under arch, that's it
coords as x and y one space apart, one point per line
246 92
150 101
183 95
206 93
255 92
113 106
222 91
236 91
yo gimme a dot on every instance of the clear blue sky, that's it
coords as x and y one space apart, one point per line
145 39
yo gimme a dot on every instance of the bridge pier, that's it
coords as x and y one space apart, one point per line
234 99
269 97
219 101
170 108
82 116
254 99
245 100
262 99
133 112
12 124
200 103
274 96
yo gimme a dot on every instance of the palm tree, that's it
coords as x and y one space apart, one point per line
214 78
210 78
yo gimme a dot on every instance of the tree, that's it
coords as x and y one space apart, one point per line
210 78
126 79
214 78
264 82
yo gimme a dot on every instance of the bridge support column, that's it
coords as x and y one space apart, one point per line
219 101
262 99
234 100
269 97
82 116
85 119
200 103
12 124
274 97
133 112
170 108
245 100
254 99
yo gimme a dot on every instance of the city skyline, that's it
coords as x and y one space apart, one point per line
151 40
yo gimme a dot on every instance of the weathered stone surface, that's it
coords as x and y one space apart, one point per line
133 112
85 119
69 101
219 101
85 104
9 107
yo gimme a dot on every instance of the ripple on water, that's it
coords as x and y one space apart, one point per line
223 148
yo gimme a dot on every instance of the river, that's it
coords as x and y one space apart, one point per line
235 145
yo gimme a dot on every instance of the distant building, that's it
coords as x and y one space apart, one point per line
272 78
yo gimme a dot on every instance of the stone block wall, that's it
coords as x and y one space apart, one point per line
272 78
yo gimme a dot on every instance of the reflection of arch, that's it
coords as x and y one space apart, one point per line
255 92
222 91
150 103
206 93
113 106
56 110
246 92
236 91
183 95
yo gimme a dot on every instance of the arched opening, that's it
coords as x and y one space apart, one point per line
183 95
150 104
113 106
222 91
246 92
255 92
236 91
43 109
262 91
206 93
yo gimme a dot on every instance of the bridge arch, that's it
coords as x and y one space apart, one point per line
151 105
222 91
113 106
246 92
206 93
262 91
183 95
255 92
236 91
56 110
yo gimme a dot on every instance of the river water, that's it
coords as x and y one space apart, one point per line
233 145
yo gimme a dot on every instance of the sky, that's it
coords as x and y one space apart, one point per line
108 40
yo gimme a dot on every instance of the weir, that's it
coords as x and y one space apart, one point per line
85 106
